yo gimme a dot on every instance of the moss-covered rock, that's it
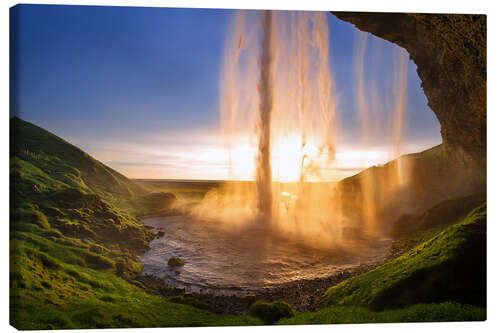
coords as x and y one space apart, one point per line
175 262
271 312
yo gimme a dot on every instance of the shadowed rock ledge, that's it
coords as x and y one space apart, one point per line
450 53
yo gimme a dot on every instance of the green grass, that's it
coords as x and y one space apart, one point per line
58 282
436 218
415 313
55 184
414 229
50 293
52 157
448 267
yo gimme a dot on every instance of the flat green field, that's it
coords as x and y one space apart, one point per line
186 191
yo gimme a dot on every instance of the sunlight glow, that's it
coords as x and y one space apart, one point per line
213 161
362 158
288 157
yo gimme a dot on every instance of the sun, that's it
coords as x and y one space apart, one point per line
290 158
286 159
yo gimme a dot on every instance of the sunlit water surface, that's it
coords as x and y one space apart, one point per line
243 260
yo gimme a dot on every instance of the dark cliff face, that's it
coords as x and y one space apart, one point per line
450 53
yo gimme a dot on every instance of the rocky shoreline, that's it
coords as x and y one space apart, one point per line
302 295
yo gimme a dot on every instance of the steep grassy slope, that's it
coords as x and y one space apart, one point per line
448 267
438 217
56 185
74 241
67 164
409 184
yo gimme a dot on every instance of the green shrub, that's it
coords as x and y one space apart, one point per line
271 312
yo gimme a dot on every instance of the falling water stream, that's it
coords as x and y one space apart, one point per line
263 174
277 95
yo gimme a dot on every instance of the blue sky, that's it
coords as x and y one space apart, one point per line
138 88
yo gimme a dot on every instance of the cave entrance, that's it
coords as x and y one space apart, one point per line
382 108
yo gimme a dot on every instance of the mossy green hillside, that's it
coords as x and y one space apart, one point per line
66 165
66 285
410 230
445 213
74 241
428 178
450 266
